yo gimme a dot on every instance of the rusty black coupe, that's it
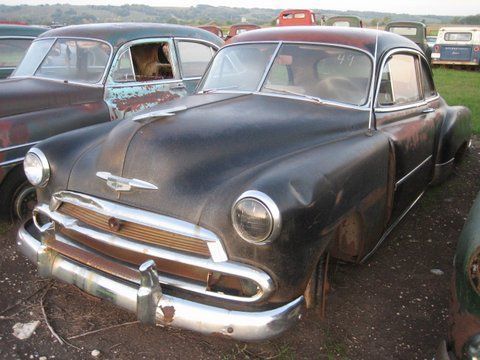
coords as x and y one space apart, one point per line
218 212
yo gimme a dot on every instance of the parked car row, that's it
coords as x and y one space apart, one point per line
77 76
218 212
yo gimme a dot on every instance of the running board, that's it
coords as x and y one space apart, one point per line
389 230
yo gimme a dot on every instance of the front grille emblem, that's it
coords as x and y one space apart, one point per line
121 184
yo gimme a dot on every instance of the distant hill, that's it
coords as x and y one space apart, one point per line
64 14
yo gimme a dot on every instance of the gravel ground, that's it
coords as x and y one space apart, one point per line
393 307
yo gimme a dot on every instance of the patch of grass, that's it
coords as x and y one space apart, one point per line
335 349
460 87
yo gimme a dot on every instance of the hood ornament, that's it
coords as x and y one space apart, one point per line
159 113
121 184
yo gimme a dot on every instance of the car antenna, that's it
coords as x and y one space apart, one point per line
372 88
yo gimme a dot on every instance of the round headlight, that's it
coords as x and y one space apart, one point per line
256 217
36 167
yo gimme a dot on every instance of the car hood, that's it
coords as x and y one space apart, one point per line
211 139
23 95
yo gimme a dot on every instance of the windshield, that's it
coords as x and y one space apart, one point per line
239 67
318 72
458 36
404 30
66 59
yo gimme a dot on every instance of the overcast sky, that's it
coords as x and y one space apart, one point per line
418 7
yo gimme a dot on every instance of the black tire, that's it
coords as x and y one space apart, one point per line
17 196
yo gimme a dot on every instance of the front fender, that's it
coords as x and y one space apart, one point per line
315 190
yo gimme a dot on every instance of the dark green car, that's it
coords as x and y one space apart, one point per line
413 30
463 341
14 42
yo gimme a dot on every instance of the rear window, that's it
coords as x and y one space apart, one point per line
403 30
458 36
12 51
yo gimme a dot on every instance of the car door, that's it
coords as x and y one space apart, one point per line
144 73
410 122
193 58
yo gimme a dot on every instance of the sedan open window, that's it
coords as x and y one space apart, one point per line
152 61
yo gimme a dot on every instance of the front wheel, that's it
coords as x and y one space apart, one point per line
17 196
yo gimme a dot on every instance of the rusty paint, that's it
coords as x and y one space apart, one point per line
463 325
349 240
168 314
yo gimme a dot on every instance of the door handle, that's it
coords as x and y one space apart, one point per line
180 86
428 110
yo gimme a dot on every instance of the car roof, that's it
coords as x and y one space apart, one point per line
21 30
119 33
363 39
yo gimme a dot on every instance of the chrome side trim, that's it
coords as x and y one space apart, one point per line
13 147
11 162
166 310
446 162
399 182
389 230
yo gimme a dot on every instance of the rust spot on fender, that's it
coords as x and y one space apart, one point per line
168 314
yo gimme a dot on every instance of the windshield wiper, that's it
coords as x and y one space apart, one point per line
282 91
212 90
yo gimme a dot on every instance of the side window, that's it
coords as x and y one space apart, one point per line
399 83
152 61
12 51
194 58
123 71
427 81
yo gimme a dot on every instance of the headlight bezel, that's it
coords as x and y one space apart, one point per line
272 209
45 167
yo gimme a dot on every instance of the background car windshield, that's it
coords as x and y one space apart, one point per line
403 30
75 60
326 72
34 56
239 67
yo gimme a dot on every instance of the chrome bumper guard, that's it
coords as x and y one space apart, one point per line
154 307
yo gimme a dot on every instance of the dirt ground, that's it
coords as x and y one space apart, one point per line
392 307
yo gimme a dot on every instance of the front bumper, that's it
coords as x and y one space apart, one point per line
154 307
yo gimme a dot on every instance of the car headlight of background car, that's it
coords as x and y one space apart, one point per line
256 217
36 167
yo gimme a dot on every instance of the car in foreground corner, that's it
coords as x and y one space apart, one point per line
14 42
219 212
463 340
81 75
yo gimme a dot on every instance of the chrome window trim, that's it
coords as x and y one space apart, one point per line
146 218
405 177
55 38
385 109
176 73
13 161
13 147
269 67
366 106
